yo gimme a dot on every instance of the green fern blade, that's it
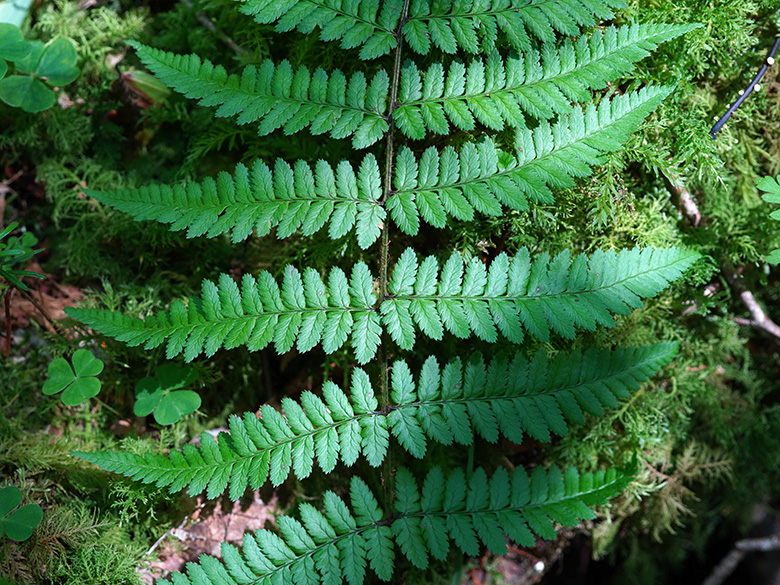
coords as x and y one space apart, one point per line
256 198
339 542
550 156
274 94
513 396
543 83
771 188
559 296
468 26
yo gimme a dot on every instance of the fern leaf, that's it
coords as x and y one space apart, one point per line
277 96
481 177
509 396
771 188
514 296
472 26
496 91
289 199
339 543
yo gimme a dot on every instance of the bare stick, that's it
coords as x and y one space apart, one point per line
770 59
759 317
726 566
684 200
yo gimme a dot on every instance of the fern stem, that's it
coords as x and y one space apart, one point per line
384 394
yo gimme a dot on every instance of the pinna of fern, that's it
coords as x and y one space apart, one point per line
513 296
510 396
479 178
494 91
337 543
473 26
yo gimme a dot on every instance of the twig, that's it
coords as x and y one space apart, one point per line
726 566
743 94
209 25
41 310
171 529
759 317
685 201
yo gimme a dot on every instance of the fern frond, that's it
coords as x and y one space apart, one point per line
771 188
278 96
340 543
496 91
513 296
451 404
483 178
472 25
288 199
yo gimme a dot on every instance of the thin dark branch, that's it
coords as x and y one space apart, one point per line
770 59
41 310
209 25
7 306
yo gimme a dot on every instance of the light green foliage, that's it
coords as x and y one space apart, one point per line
162 394
36 65
511 397
336 543
78 383
17 524
278 96
496 91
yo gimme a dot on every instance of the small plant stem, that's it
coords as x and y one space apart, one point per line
208 24
7 307
41 310
770 59
384 366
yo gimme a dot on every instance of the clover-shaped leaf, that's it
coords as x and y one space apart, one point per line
162 396
27 93
58 62
17 525
54 63
78 383
13 47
